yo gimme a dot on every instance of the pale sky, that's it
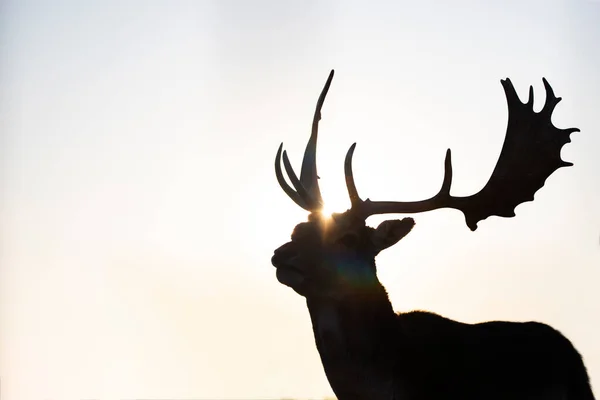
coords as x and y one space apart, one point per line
139 207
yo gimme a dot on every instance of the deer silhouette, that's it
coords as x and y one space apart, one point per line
370 352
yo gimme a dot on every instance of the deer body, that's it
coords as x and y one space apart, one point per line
373 353
370 352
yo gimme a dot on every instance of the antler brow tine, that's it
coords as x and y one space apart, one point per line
354 197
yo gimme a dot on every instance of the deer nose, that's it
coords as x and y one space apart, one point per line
275 260
282 254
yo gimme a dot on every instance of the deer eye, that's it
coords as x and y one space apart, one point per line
348 240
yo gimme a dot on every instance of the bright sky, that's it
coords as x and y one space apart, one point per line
139 206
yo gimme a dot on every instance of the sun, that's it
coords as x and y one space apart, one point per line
335 202
327 211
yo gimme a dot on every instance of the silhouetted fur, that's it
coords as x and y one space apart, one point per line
370 352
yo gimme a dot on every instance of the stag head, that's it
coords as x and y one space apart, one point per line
335 256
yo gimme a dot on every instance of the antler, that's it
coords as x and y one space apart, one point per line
530 154
307 194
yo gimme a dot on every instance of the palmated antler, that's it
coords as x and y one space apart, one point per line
530 154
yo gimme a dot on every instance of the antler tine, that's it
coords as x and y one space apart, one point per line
551 99
300 189
354 197
308 172
440 200
447 182
530 99
284 185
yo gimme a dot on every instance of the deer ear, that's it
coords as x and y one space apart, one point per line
389 232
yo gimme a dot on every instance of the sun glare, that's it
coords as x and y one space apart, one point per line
334 203
326 211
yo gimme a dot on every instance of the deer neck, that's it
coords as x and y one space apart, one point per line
358 342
